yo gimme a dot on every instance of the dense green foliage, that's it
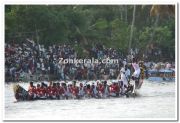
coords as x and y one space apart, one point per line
88 25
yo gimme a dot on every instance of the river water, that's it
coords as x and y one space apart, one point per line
156 100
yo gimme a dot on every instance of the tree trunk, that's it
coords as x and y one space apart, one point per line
155 26
121 11
83 37
132 28
37 36
126 13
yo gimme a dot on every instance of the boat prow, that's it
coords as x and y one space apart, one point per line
20 93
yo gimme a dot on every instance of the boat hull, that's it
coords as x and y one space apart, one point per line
21 94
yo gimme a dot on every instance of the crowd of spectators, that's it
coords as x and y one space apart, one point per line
29 60
32 59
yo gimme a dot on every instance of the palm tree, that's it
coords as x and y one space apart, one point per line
162 10
156 10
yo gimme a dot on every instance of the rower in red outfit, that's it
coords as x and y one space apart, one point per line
31 91
53 91
115 89
75 90
38 90
43 93
100 89
48 89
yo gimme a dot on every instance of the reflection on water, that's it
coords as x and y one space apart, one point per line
155 100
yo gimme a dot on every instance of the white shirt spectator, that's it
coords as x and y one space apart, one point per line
42 66
168 66
127 72
124 62
38 65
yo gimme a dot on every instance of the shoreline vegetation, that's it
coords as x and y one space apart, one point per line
84 26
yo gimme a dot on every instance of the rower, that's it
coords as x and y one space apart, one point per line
69 91
94 91
106 89
114 91
48 89
42 92
81 90
88 91
54 91
100 89
75 90
63 91
58 90
31 91
38 90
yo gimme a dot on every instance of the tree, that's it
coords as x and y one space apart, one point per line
116 26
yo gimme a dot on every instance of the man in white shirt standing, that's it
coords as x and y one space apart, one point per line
136 74
123 82
127 73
